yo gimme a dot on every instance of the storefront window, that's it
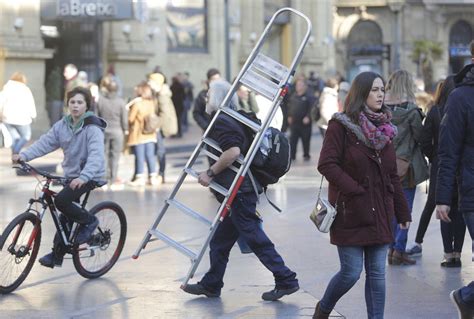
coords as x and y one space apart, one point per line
187 25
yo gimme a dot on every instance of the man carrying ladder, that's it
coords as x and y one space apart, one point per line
242 221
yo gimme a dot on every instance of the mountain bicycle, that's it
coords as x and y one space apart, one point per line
20 241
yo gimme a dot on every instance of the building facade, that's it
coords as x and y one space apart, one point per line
382 35
38 37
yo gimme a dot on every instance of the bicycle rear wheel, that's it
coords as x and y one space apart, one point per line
19 247
101 252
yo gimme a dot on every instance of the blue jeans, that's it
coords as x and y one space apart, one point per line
244 222
401 235
20 134
352 259
145 152
467 292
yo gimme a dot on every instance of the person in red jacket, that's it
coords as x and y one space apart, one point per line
358 160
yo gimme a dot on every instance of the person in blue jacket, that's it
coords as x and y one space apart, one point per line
456 167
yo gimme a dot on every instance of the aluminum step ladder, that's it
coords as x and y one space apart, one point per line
264 76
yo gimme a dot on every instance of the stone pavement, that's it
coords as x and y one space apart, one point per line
149 286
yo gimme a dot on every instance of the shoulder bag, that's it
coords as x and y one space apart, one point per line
323 213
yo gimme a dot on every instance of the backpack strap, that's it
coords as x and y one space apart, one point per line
278 209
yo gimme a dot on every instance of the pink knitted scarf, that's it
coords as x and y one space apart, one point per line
377 127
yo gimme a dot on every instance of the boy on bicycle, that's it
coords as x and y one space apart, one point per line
80 135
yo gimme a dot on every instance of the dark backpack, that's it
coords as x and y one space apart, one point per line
272 159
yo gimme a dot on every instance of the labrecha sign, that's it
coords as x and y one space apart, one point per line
95 9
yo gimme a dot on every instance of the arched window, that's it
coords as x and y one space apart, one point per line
460 34
365 48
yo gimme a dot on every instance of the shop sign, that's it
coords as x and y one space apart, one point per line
459 51
95 9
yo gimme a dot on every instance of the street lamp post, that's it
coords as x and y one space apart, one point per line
396 6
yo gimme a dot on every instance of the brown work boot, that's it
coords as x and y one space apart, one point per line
319 314
399 258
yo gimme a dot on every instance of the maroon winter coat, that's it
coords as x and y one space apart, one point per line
365 184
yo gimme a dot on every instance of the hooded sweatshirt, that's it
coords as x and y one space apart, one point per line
82 145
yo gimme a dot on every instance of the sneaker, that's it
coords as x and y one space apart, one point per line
198 289
116 186
276 293
414 250
138 181
155 180
51 260
86 231
464 311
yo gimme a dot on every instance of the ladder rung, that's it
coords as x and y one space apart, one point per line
173 243
260 84
270 67
189 211
239 117
218 188
214 145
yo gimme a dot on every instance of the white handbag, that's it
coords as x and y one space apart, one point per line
323 213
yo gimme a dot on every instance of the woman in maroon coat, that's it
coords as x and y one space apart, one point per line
358 160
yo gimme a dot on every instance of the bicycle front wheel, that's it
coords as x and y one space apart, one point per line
19 247
101 252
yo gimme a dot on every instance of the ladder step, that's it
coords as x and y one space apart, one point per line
270 67
218 188
239 117
189 211
260 84
173 243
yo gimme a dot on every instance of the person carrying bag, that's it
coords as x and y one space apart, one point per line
358 160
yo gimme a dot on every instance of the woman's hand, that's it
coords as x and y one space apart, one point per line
76 183
404 225
442 213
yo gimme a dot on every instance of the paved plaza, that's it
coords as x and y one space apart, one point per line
149 286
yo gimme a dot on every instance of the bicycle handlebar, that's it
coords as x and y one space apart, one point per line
25 167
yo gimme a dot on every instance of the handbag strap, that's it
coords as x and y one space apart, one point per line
322 176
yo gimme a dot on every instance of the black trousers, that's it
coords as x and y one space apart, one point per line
453 232
65 203
298 131
430 204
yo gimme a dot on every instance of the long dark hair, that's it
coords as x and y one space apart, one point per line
444 91
84 92
358 93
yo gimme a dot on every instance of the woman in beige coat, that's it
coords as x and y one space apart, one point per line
143 144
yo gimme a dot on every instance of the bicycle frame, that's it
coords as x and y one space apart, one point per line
46 202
